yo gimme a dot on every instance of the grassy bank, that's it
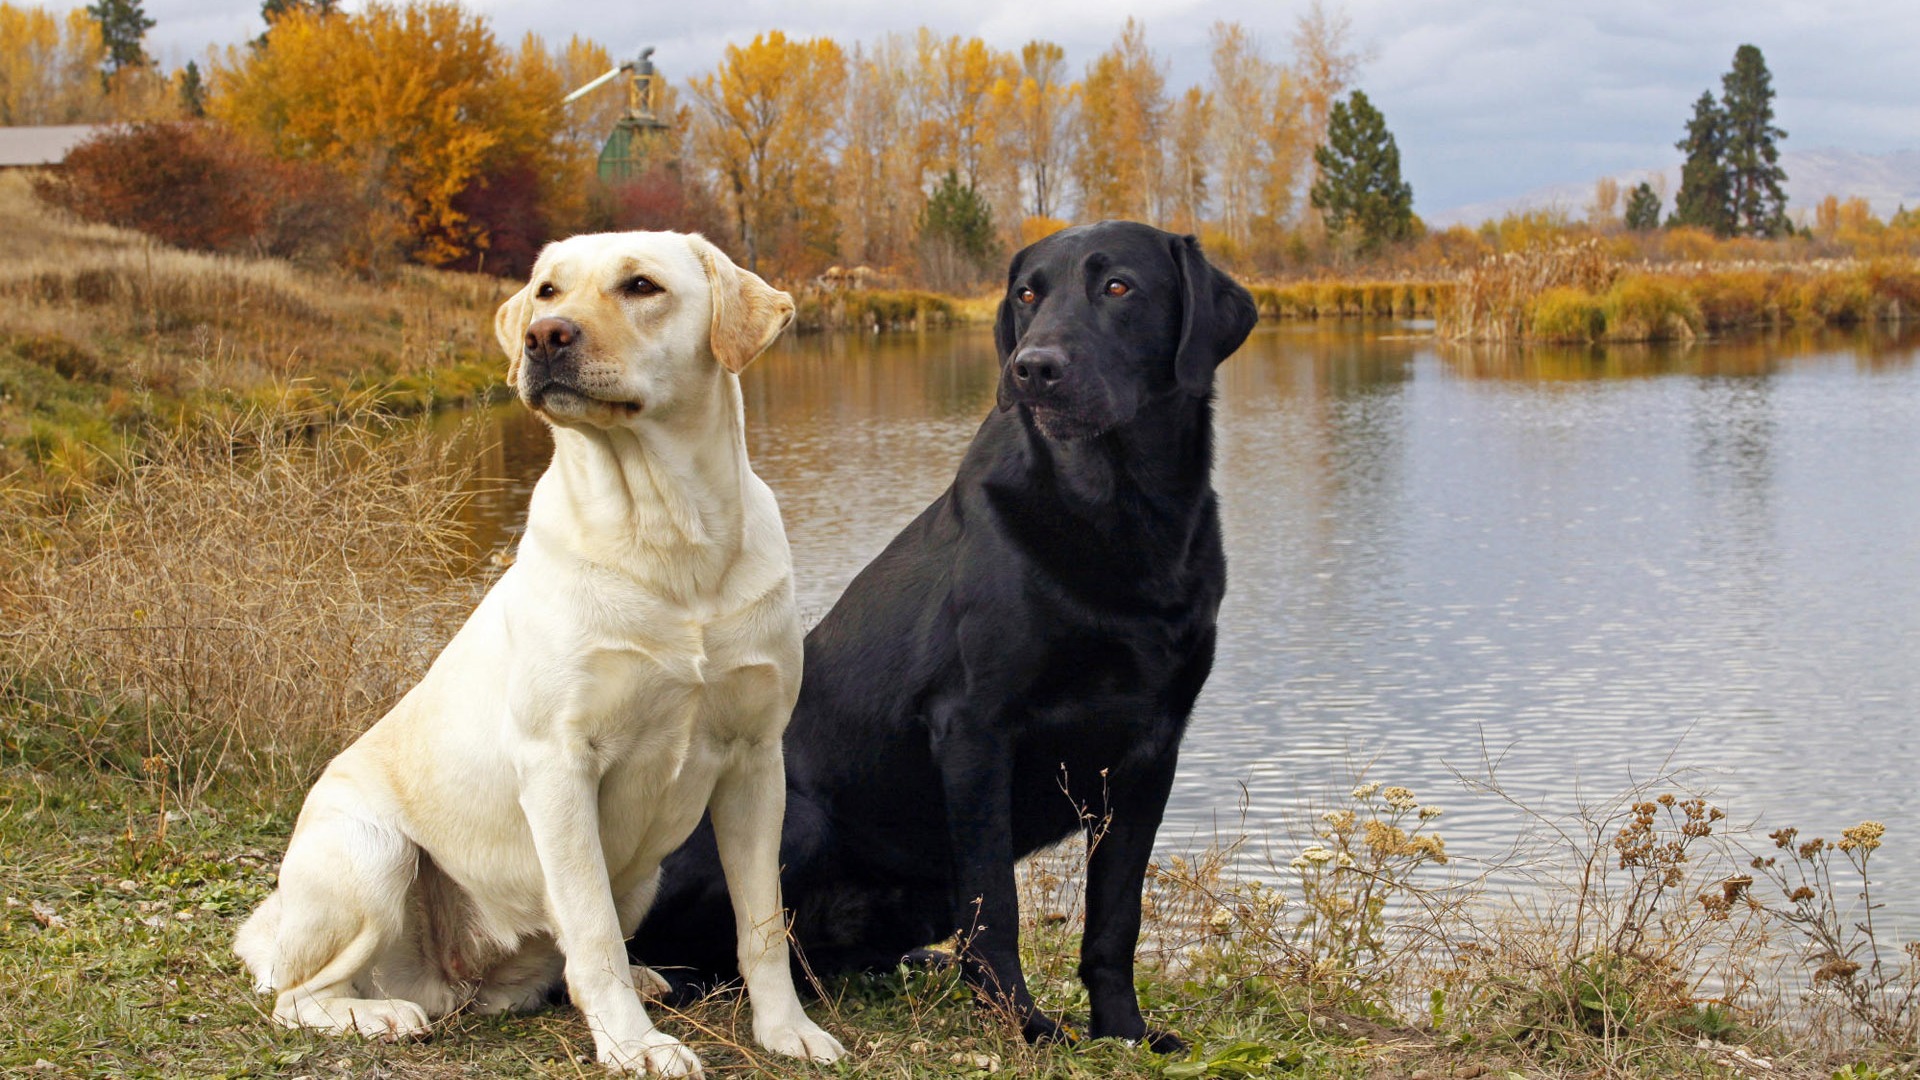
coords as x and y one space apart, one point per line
107 337
1577 293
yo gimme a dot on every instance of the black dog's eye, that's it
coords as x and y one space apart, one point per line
1116 287
546 290
642 286
1025 295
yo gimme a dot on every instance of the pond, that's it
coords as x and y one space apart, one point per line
1593 567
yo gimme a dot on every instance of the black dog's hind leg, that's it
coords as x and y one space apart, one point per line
975 762
1119 844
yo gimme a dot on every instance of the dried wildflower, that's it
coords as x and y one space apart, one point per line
1430 846
1400 798
1345 861
1365 791
1812 848
1428 813
1835 970
1666 800
1221 920
1783 838
1801 895
1317 854
1865 836
1341 820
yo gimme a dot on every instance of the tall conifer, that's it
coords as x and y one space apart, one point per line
1755 202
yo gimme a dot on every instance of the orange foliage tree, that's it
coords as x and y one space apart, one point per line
1040 130
50 67
766 125
418 102
1122 113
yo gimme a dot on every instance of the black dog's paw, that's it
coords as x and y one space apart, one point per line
1165 1042
928 959
1039 1028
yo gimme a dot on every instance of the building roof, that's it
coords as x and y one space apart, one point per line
28 146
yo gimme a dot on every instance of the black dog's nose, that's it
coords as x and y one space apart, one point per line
547 337
1039 369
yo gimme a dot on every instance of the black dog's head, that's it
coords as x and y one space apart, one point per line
1101 319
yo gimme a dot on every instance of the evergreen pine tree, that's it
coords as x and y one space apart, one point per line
1360 193
958 215
123 26
1756 204
193 91
1643 208
1703 199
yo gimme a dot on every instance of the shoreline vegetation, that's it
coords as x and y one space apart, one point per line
108 336
227 541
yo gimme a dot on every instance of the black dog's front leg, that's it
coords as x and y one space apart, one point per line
976 778
1120 843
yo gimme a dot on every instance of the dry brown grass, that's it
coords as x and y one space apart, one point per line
1579 292
239 598
106 334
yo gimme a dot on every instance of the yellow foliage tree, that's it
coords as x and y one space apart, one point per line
1123 110
965 85
1040 129
50 67
879 174
767 121
418 102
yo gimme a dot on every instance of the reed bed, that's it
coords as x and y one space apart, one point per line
1351 299
1576 293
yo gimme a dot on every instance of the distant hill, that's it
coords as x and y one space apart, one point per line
1886 181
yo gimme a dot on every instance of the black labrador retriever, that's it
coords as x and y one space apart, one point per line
1020 662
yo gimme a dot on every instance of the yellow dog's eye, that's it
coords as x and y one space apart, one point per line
643 286
1025 295
1116 287
546 290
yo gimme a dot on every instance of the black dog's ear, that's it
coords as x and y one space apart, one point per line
1216 315
1003 331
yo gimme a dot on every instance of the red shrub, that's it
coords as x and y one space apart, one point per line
194 184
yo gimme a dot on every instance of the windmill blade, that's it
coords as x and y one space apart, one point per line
594 85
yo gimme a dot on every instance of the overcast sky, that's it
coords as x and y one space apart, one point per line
1487 98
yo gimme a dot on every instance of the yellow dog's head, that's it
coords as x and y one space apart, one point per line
615 328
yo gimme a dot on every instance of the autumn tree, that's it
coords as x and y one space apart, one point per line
1040 129
1256 137
1604 211
1123 112
50 67
1187 166
1360 194
879 174
417 104
1325 59
1643 208
767 124
1749 146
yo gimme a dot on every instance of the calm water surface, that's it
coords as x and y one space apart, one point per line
1593 567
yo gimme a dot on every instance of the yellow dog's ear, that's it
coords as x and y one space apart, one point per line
510 326
748 313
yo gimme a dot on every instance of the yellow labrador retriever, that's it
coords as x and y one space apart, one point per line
503 826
